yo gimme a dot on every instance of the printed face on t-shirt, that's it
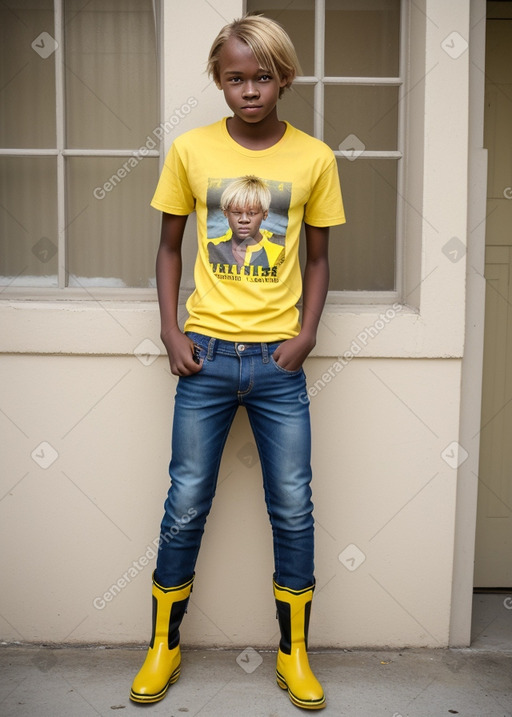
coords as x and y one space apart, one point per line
245 223
244 241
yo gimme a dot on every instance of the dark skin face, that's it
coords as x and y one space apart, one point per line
251 92
245 223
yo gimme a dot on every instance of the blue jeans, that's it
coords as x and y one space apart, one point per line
233 375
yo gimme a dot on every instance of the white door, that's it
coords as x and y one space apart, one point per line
493 559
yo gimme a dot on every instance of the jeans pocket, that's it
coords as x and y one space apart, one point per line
285 370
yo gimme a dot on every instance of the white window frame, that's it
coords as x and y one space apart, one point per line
61 152
319 80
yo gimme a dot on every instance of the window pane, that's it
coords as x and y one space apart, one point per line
112 230
369 113
27 75
297 106
28 221
111 74
298 19
362 38
362 251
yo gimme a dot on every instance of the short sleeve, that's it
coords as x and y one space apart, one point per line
173 194
324 207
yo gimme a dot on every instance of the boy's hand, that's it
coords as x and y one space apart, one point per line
292 353
180 350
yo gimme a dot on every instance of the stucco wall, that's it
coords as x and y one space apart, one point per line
88 445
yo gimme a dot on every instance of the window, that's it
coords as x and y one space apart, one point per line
80 132
350 96
79 137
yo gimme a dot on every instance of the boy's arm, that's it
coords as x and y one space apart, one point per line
292 353
168 276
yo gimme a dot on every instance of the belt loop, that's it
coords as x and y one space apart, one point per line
264 352
212 345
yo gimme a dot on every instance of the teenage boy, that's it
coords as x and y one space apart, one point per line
243 344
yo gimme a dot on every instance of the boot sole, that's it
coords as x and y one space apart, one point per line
304 704
148 699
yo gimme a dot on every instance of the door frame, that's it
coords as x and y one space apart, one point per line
472 362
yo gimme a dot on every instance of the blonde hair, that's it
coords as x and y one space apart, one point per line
270 45
248 191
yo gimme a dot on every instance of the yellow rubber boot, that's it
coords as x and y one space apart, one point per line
161 667
293 672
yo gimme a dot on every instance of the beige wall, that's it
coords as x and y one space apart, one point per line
384 425
74 527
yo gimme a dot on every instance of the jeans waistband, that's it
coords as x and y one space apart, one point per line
213 346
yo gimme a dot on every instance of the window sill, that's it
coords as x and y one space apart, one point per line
128 327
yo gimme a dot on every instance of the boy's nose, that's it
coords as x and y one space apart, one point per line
250 90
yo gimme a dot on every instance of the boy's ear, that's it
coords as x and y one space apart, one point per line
265 215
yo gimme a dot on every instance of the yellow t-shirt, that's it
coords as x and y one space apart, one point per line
256 301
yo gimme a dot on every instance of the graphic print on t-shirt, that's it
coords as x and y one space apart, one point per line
245 243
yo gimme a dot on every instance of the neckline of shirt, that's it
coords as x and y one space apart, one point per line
255 152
